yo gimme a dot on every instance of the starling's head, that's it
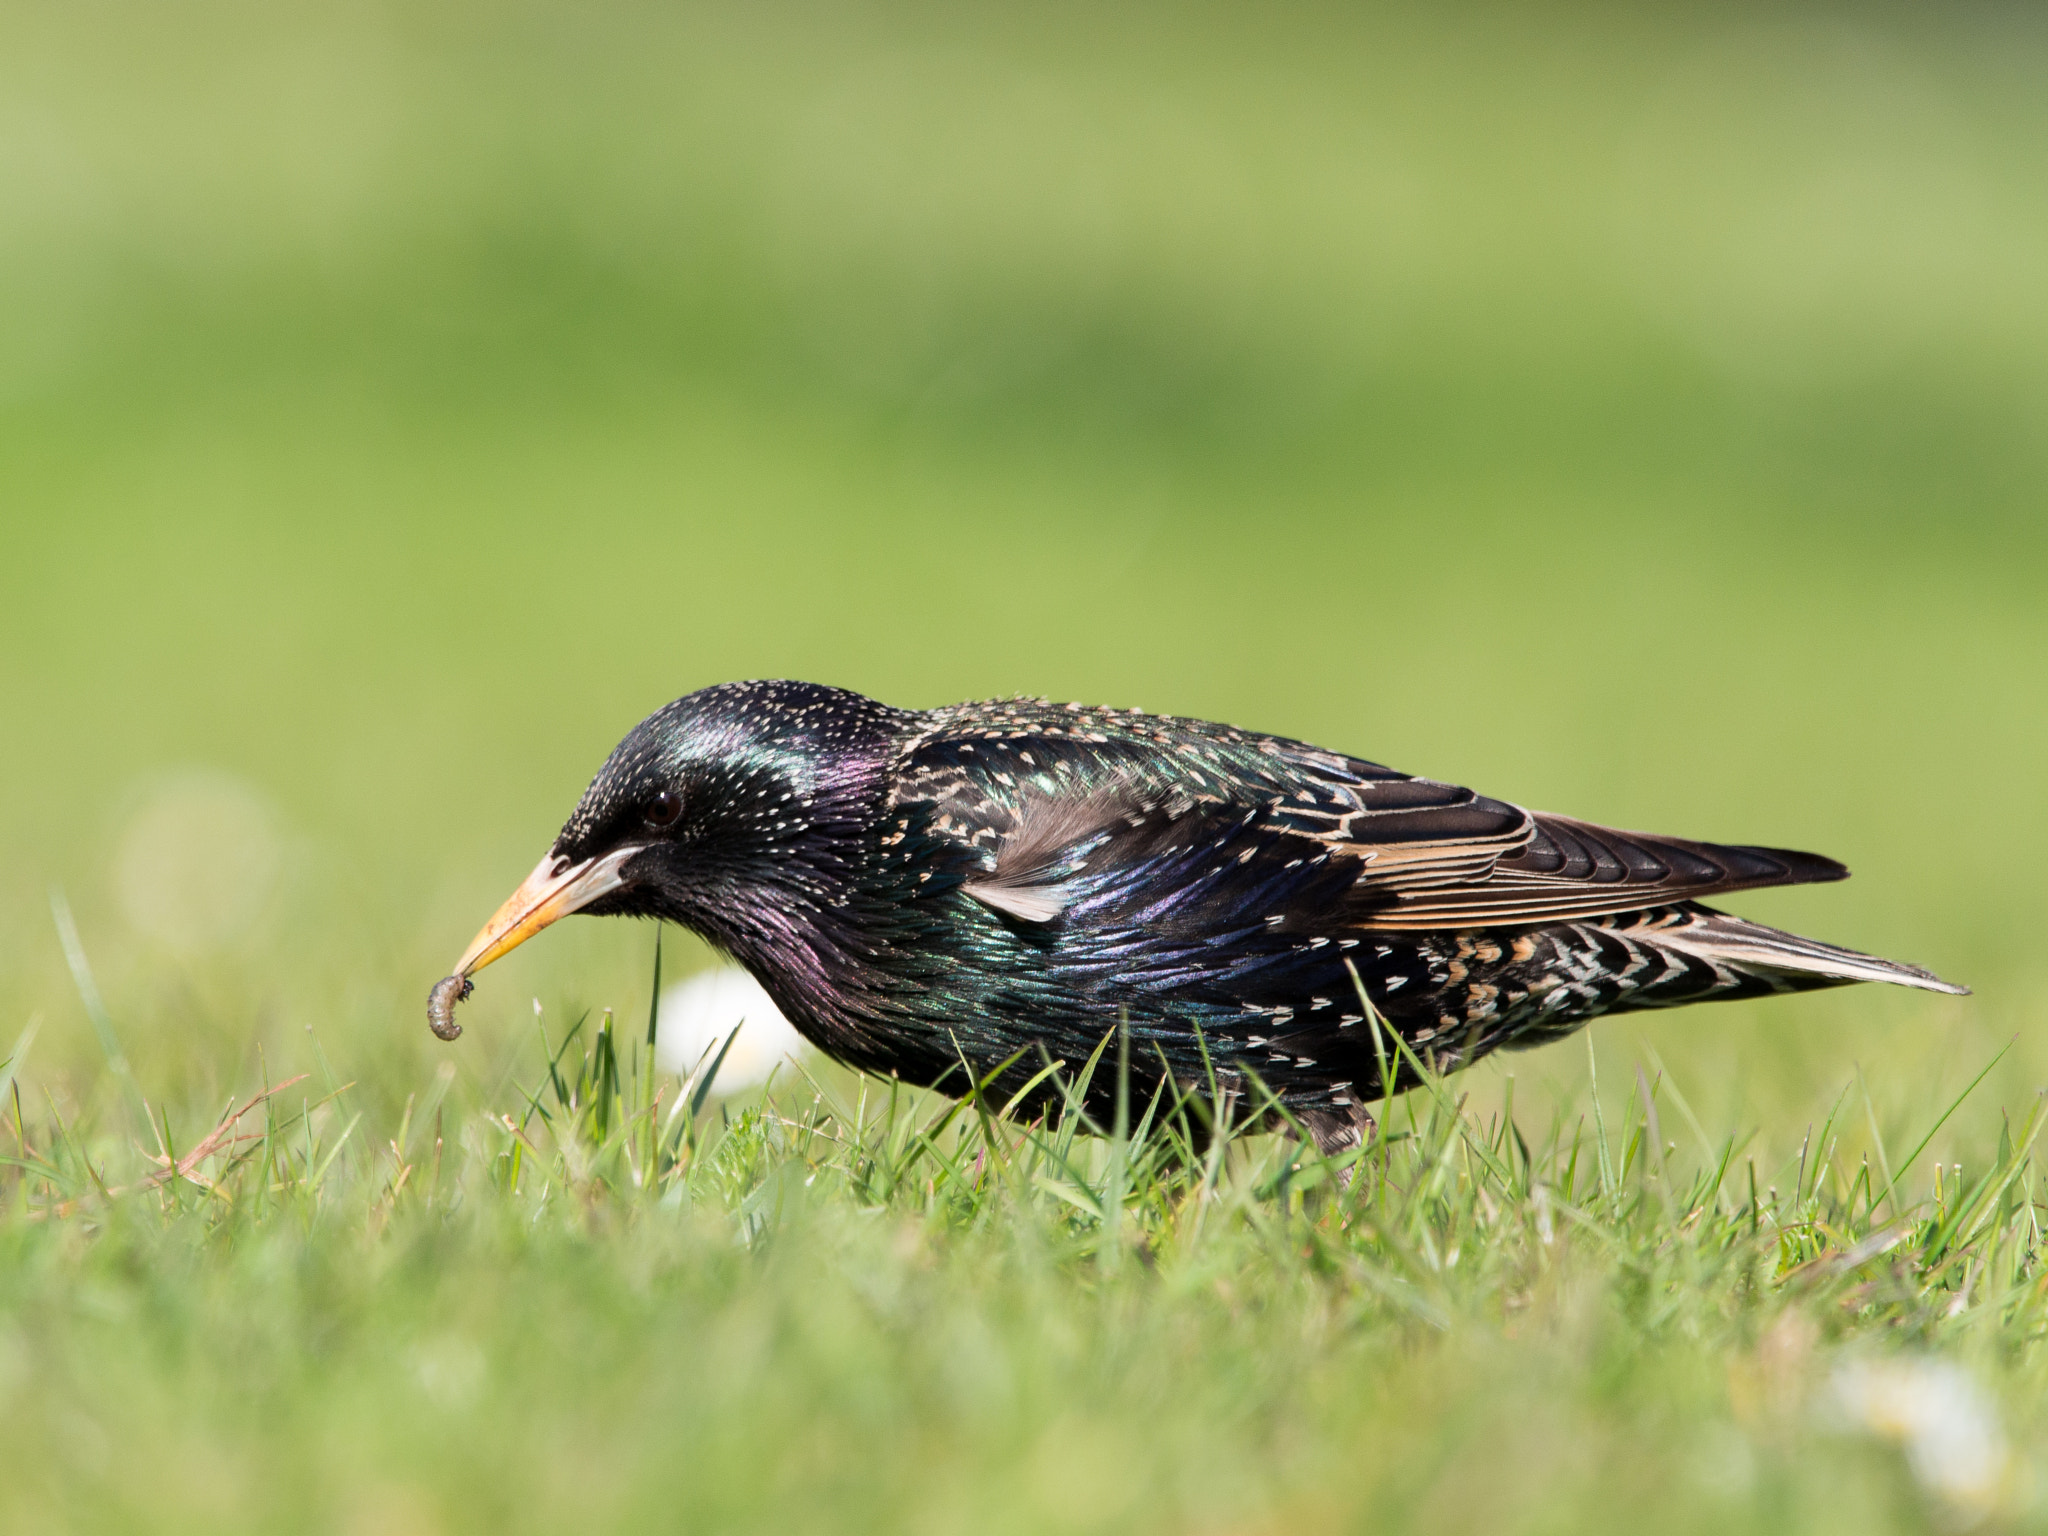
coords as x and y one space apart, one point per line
722 795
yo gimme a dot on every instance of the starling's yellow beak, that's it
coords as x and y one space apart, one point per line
556 888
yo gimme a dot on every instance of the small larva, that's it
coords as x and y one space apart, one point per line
448 991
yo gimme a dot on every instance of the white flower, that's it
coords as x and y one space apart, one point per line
697 1015
1948 1428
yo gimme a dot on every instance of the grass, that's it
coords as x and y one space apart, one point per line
1631 412
606 1299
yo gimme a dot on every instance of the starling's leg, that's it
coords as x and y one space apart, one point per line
1336 1131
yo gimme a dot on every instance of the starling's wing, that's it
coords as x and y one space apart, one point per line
1054 814
1563 869
1439 856
1039 824
1203 875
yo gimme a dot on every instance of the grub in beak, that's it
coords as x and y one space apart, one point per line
557 887
448 991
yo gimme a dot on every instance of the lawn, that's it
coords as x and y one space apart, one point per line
1638 414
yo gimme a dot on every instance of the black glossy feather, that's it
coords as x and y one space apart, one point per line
919 889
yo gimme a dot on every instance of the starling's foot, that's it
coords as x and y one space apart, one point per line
1337 1131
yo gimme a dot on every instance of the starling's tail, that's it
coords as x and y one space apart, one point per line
1772 956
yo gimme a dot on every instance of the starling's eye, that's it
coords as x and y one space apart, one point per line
662 810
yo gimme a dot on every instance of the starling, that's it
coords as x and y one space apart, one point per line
927 893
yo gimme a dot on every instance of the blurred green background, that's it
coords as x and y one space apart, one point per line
1637 412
